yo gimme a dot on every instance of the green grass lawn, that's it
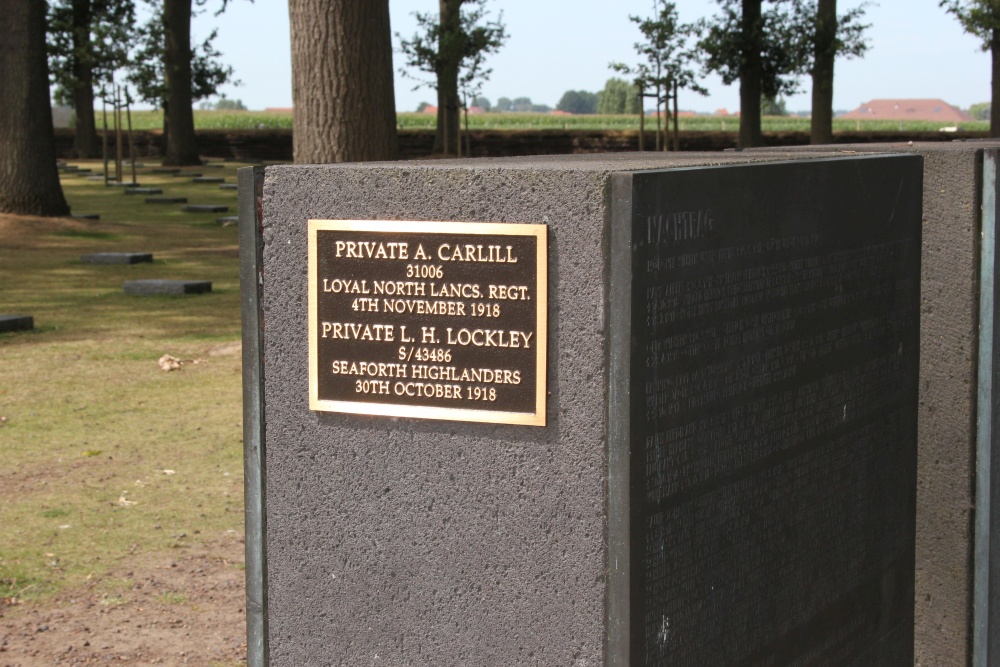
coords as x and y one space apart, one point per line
249 120
104 454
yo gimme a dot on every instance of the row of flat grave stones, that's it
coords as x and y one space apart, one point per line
149 287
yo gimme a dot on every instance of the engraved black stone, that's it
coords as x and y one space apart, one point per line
773 381
117 258
206 208
16 323
166 287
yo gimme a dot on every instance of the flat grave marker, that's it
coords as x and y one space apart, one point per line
117 258
206 208
16 323
166 287
166 200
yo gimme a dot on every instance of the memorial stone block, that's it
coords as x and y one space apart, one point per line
701 450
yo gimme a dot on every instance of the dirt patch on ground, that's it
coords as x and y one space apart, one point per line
181 608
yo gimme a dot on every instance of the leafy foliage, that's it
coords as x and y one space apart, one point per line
775 36
849 39
208 73
980 111
97 40
577 102
618 96
433 48
668 58
773 107
978 17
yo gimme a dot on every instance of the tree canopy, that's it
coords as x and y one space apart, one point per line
452 47
982 19
578 102
618 97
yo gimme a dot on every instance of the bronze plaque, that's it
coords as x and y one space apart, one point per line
433 320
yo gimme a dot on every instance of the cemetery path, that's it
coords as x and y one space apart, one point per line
181 608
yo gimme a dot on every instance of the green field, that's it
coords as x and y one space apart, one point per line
106 456
269 120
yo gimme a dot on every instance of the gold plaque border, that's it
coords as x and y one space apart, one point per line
540 232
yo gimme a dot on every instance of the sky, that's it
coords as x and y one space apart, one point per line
917 51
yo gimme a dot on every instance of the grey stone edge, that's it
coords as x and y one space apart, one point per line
986 588
618 604
251 187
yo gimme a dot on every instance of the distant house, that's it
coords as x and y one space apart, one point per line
908 110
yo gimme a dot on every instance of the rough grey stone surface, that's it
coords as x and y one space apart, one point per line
439 543
206 208
117 257
166 287
947 411
16 323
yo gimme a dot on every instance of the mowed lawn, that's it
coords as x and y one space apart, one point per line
103 455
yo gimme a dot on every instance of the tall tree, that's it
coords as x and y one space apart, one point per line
203 75
29 181
761 48
147 69
453 47
982 19
345 109
668 65
182 144
88 40
826 36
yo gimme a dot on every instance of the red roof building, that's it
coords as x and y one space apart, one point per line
908 110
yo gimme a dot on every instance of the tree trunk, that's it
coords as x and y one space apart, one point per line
345 109
995 84
449 58
29 181
750 76
85 138
182 146
821 125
